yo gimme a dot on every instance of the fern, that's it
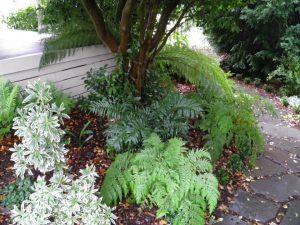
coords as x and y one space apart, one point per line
119 176
9 101
65 43
178 182
233 122
196 68
195 213
131 123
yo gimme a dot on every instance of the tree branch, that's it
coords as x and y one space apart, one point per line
151 20
120 7
97 18
142 20
176 25
163 22
125 25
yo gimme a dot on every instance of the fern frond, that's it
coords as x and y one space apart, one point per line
9 99
64 43
197 69
111 108
209 190
12 100
190 213
116 183
201 161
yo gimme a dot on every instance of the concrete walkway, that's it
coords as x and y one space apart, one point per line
273 195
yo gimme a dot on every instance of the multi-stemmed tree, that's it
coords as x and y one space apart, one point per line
135 30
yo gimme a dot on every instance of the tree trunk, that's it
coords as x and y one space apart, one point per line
39 14
139 69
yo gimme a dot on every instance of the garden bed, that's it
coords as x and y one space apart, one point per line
93 152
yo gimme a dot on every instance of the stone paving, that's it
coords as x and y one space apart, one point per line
274 191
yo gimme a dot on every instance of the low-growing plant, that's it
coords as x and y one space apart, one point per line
285 102
239 76
131 123
84 135
257 82
297 110
9 101
223 176
15 193
177 181
64 201
37 124
247 80
283 91
268 88
236 163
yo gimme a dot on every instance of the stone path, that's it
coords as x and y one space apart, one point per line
274 191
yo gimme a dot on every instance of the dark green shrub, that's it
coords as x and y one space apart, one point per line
247 80
223 176
284 101
15 193
239 76
236 164
106 84
283 91
268 88
179 182
254 33
288 73
24 19
297 110
257 82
